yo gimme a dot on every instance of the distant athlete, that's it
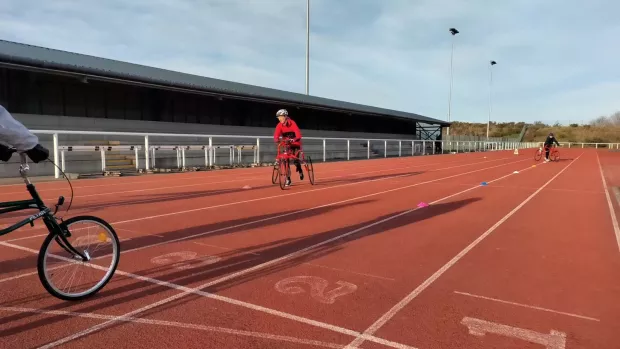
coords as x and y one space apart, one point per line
548 143
287 128
16 135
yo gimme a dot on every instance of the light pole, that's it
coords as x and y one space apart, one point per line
453 31
490 85
307 46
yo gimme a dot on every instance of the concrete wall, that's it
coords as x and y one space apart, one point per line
90 162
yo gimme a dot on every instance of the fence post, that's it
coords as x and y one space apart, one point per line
62 160
146 152
385 148
324 147
56 171
212 151
137 161
102 160
368 148
400 146
348 148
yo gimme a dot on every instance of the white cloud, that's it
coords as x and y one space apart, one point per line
556 60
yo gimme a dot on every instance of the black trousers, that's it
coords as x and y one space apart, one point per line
297 163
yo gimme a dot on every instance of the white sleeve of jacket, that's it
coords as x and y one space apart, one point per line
13 133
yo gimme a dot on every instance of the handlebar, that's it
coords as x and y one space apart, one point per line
23 167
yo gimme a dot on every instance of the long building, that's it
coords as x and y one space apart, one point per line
50 89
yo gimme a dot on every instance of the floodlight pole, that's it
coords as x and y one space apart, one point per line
453 31
490 86
307 46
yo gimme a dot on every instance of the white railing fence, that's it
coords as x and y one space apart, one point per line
100 152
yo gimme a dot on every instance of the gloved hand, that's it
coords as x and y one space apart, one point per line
6 152
38 153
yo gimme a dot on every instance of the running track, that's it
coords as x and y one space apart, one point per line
531 260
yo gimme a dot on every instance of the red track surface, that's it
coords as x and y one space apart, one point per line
529 253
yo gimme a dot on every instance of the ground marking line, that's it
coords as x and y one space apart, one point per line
349 271
255 178
191 175
612 212
261 335
186 290
167 242
224 248
250 177
301 211
262 178
403 303
267 198
311 264
197 290
593 192
526 306
110 179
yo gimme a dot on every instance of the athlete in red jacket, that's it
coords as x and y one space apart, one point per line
287 128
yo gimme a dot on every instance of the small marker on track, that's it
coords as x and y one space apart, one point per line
533 165
483 183
516 172
247 187
422 204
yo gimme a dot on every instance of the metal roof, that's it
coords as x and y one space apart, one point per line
35 57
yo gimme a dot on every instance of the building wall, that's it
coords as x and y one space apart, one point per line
90 162
50 102
32 93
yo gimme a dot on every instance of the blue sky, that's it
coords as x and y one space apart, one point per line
557 60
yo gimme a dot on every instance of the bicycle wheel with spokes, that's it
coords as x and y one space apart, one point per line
555 156
538 155
274 174
284 172
64 274
310 169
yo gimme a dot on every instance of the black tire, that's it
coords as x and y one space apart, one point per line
310 169
41 261
274 174
555 156
284 172
538 154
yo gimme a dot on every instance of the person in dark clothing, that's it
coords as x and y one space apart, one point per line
15 137
287 128
548 143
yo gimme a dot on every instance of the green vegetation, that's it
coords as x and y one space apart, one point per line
604 129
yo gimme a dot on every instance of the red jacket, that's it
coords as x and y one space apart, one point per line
288 130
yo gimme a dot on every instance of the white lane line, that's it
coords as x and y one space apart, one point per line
224 248
527 306
225 330
403 303
612 212
267 198
256 178
197 290
349 271
250 176
167 242
186 290
204 175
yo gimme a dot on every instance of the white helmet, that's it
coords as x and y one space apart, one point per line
282 112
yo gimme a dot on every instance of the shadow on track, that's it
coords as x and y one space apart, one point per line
237 261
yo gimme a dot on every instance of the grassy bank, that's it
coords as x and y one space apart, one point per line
605 129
